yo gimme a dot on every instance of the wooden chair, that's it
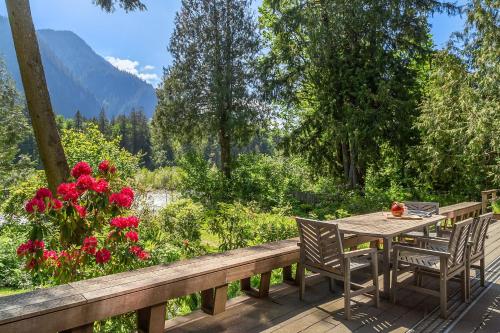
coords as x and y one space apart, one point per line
321 251
424 207
477 248
446 263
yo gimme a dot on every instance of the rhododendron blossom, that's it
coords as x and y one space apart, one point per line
132 236
102 256
80 169
80 216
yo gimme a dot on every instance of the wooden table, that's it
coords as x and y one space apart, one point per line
377 225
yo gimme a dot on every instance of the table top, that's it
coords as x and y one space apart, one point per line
378 225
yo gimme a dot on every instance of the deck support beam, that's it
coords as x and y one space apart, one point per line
263 291
213 301
152 319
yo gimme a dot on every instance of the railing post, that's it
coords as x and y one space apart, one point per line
263 291
288 277
152 319
88 328
213 301
484 201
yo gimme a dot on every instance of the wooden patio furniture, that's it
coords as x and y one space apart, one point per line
322 251
477 248
416 207
447 262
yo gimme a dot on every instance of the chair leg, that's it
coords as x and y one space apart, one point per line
331 284
376 296
301 271
467 281
443 285
347 292
463 285
482 268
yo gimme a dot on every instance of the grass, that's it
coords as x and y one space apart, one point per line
9 291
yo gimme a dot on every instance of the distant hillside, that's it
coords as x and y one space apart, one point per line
78 78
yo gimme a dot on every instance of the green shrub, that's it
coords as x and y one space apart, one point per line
271 227
12 272
183 220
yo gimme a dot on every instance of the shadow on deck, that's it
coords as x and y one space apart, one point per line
322 310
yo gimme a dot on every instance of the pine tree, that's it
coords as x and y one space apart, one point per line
103 124
79 121
211 88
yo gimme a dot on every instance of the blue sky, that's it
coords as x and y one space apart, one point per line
137 42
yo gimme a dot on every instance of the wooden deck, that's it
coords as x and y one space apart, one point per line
322 311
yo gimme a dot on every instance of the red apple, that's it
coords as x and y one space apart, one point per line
397 209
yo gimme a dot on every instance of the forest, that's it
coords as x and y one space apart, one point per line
321 109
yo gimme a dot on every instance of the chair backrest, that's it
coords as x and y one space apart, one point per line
458 242
320 243
478 232
429 207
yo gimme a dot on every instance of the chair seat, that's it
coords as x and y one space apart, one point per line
422 260
415 234
334 265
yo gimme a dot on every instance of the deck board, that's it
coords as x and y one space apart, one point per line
322 311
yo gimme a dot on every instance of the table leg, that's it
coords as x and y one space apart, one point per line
386 264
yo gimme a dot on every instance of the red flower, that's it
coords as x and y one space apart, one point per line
135 249
56 204
132 236
31 264
38 244
128 192
100 186
125 222
139 252
104 166
49 254
23 249
85 182
102 256
82 211
80 169
35 205
89 245
43 193
143 255
121 200
68 191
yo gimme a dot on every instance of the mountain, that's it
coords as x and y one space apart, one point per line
78 78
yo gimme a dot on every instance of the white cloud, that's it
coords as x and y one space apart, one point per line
131 66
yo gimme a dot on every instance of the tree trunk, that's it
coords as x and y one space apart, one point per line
345 161
225 151
36 92
352 169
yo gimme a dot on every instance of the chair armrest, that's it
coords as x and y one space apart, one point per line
420 250
357 253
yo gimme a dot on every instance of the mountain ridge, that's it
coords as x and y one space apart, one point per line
78 78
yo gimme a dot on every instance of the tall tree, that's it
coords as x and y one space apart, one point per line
103 124
460 118
79 120
35 86
345 73
211 88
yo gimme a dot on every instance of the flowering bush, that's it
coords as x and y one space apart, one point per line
84 229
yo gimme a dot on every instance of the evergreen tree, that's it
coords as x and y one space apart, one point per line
211 88
103 124
79 120
346 75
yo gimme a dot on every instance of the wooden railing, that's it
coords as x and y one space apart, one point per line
487 198
74 307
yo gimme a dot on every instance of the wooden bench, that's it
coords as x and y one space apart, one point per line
459 212
487 198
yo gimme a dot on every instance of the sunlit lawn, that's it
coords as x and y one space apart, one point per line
9 291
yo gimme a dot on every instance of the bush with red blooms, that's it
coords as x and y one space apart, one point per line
83 230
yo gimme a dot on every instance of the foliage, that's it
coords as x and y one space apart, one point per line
182 220
91 146
238 226
210 90
12 273
83 231
165 178
361 89
15 130
459 121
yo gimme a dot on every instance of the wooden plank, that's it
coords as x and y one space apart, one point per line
89 328
152 318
